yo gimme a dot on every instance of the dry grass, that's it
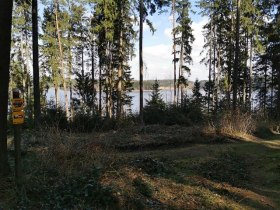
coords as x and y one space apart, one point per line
198 193
176 186
232 125
70 153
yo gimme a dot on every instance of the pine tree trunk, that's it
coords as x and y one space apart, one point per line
92 77
214 67
278 92
271 91
70 81
141 62
265 88
217 83
61 62
210 65
110 101
230 63
174 52
181 73
245 76
70 73
251 73
236 61
120 75
83 78
36 74
56 93
100 89
6 8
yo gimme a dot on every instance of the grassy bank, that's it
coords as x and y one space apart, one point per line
152 167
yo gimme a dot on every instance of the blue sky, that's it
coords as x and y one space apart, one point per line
157 48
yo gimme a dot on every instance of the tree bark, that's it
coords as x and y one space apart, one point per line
251 73
174 52
120 75
210 65
236 61
181 73
100 89
36 74
6 8
92 77
141 62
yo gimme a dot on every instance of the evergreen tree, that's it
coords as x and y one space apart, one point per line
184 42
156 100
197 96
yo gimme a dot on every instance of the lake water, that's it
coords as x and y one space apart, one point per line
167 96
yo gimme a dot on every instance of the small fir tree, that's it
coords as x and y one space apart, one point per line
156 100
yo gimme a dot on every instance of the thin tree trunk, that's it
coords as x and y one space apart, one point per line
181 72
217 83
210 64
6 8
174 51
141 62
61 62
56 93
245 81
278 92
214 68
110 99
70 81
100 89
251 72
92 77
265 88
236 61
230 63
120 75
271 91
36 74
83 76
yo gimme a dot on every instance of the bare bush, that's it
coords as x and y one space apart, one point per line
72 154
234 123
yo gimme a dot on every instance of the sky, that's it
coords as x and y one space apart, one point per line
157 48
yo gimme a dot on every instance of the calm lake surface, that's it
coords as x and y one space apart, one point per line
167 96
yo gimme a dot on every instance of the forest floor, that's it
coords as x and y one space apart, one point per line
153 167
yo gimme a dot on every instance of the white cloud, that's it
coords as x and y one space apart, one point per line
198 70
145 27
168 32
170 18
158 58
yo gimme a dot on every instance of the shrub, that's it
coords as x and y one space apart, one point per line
239 122
52 117
85 122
